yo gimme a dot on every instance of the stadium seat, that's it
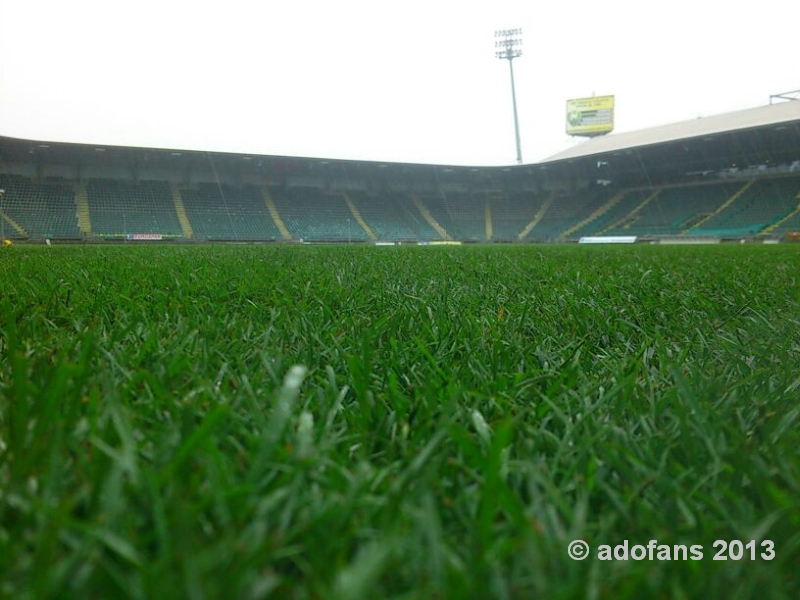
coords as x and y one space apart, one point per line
119 208
226 212
43 210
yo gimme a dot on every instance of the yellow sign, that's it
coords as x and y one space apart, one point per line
590 116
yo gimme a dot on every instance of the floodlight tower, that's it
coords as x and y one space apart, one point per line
507 45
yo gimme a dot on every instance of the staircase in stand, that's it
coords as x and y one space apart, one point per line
722 206
426 214
359 219
276 216
180 210
82 200
536 218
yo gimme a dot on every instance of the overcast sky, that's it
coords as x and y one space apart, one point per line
410 81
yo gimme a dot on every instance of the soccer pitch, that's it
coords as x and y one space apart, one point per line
361 422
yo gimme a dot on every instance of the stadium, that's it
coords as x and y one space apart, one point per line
734 176
266 376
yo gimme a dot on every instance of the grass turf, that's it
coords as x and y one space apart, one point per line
357 422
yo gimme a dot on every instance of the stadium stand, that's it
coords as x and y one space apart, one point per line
118 208
226 212
790 224
393 217
676 209
516 215
359 217
762 204
217 212
728 176
461 215
565 211
40 210
430 219
619 206
310 214
620 226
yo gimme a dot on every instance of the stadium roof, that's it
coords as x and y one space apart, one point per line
767 136
753 118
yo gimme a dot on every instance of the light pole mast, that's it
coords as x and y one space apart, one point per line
507 45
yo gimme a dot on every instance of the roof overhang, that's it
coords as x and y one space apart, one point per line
773 115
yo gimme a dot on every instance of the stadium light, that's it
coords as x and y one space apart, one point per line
507 46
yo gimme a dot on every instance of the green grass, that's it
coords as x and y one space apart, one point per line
351 422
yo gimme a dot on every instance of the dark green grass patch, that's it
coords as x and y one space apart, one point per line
353 422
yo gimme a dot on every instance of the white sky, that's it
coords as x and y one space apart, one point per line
410 81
